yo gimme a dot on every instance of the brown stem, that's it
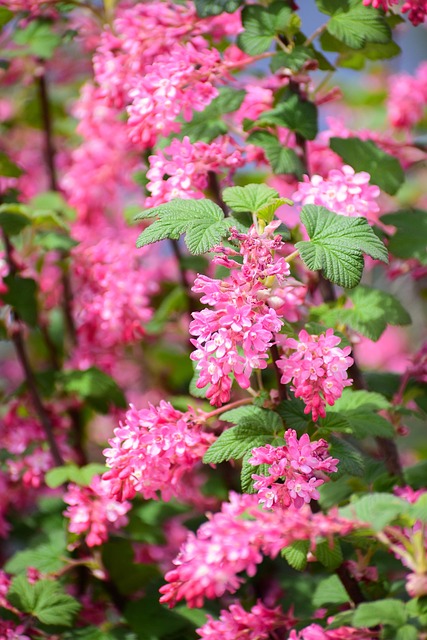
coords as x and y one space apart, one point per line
274 351
49 149
215 191
191 306
67 307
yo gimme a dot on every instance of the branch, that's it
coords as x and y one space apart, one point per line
215 191
274 351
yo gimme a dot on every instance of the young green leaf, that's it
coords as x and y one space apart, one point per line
337 245
330 591
364 155
206 8
254 417
21 295
235 442
95 386
13 218
351 460
201 220
261 25
330 556
45 600
209 124
282 159
251 197
376 509
248 470
410 238
296 554
388 611
294 114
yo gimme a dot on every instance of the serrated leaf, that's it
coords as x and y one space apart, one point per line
282 159
388 611
294 60
259 419
330 557
13 218
294 114
329 591
337 244
351 460
358 26
236 442
261 25
44 600
249 198
21 295
47 558
95 386
201 220
361 400
407 632
419 509
209 124
364 155
296 554
292 412
410 238
376 509
206 8
248 470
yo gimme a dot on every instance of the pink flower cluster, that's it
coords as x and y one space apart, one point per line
298 465
417 8
316 632
343 191
317 370
181 170
234 540
233 338
256 624
151 451
92 511
407 97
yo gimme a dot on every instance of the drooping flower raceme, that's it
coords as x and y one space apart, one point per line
317 370
151 451
343 191
234 336
297 465
93 512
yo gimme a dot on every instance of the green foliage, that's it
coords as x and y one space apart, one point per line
388 612
329 555
295 114
365 155
94 386
209 123
376 509
351 460
355 413
410 239
38 38
21 295
359 26
172 303
261 25
127 575
282 159
72 473
45 600
206 8
372 311
13 218
47 557
296 554
337 245
329 591
407 632
254 198
201 220
5 16
293 60
8 168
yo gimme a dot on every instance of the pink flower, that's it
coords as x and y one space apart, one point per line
343 191
92 511
317 370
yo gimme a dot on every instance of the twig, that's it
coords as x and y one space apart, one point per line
49 149
274 351
226 407
214 188
315 34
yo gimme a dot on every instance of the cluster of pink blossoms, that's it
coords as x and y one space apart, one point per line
181 170
416 9
256 624
317 370
407 97
343 191
151 451
298 464
233 338
234 540
316 632
92 511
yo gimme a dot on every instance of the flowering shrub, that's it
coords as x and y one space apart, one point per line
212 287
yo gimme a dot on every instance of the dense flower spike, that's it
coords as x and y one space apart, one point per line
407 98
317 370
343 191
416 9
298 465
316 632
210 560
152 450
93 512
257 624
234 337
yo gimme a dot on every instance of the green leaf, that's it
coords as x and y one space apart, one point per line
294 114
94 386
282 159
126 574
332 6
410 238
5 16
236 442
330 591
206 8
13 218
361 400
251 197
330 557
72 473
388 611
292 412
8 168
376 509
365 155
209 124
261 25
171 305
337 245
56 241
256 417
248 470
39 38
201 220
358 26
407 632
350 459
296 554
294 60
45 600
47 557
372 311
151 620
21 295
419 509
